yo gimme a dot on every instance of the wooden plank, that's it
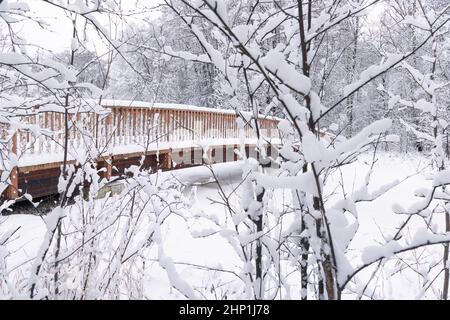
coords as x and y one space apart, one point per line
12 192
52 128
167 159
43 166
39 183
134 125
118 124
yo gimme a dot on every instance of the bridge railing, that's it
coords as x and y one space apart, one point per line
115 136
135 124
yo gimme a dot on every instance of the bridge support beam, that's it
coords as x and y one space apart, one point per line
166 162
12 192
108 164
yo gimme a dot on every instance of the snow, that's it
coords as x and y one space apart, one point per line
31 159
228 171
74 45
186 55
272 22
50 221
13 58
441 178
302 182
417 21
175 280
181 234
276 63
373 253
334 127
373 71
202 242
171 106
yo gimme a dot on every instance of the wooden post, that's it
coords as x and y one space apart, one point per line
180 121
213 124
12 192
172 125
161 131
108 163
218 131
173 136
210 131
167 160
141 124
222 125
76 132
178 118
52 128
162 125
119 126
108 130
212 155
196 126
200 126
133 139
163 121
146 124
96 128
59 129
111 133
167 123
126 125
227 125
183 124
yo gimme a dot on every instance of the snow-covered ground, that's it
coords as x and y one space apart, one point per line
188 252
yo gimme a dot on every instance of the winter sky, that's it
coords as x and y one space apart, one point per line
57 37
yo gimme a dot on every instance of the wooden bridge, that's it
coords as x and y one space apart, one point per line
120 134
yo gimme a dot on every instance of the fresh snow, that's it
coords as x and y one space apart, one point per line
200 243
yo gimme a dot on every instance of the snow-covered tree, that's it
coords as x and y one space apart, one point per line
322 232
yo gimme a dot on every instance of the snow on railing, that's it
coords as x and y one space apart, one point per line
134 123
